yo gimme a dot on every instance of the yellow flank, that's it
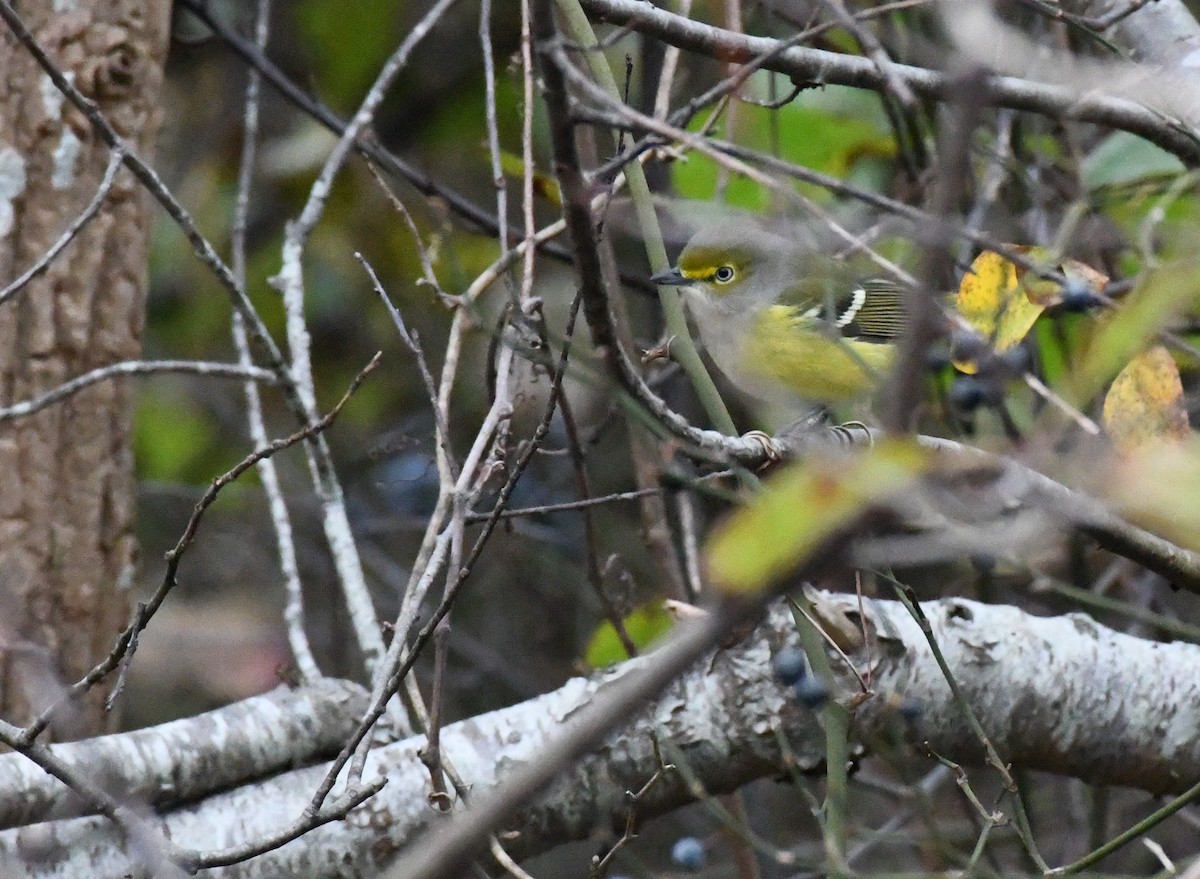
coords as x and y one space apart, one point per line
789 348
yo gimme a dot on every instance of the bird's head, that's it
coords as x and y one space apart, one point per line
732 263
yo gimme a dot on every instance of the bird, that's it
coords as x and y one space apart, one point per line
783 319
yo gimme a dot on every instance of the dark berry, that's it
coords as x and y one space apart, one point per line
811 692
789 665
1016 359
910 709
966 393
967 345
1077 295
983 563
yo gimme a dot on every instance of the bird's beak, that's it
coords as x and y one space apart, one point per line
671 278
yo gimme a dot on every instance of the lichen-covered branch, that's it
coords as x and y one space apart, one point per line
1062 695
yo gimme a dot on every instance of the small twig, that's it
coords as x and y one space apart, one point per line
828 639
685 505
293 610
504 859
156 851
115 159
1040 388
728 820
923 326
399 665
992 818
136 367
579 467
599 863
874 50
499 182
566 506
1060 101
290 283
335 811
1098 23
909 599
413 344
1140 828
431 754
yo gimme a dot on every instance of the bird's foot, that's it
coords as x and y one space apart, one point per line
771 449
848 429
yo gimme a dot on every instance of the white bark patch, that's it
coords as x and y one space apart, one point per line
66 157
52 98
12 183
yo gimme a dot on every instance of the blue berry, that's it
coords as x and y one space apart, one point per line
983 563
811 692
967 345
1078 296
688 853
910 709
1016 359
789 665
969 392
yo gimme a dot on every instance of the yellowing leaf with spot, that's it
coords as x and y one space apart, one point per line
1145 403
801 508
993 301
1155 487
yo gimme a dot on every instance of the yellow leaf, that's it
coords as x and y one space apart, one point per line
800 509
994 302
1145 403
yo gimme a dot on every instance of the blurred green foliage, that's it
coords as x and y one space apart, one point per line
832 129
346 50
190 430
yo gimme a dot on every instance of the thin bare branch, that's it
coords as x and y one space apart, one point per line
136 367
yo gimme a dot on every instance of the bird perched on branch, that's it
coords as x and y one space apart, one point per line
783 319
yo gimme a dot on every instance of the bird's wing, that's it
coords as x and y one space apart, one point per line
870 310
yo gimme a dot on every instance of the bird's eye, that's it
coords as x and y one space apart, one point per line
723 275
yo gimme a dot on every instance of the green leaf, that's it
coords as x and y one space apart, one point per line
644 626
1123 158
801 508
1161 295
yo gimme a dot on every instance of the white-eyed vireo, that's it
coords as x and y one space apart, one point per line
784 321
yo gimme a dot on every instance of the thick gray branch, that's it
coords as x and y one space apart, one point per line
188 759
814 65
1163 32
1062 695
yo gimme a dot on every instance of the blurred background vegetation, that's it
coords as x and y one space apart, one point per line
189 429
528 615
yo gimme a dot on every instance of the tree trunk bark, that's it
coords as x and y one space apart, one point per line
67 547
